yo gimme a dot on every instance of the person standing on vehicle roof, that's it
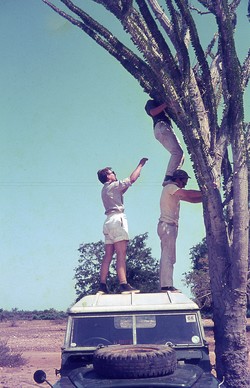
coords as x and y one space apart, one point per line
115 227
172 194
164 133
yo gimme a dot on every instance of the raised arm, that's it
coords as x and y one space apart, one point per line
136 173
193 196
158 109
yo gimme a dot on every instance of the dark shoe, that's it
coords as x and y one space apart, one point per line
167 180
169 288
126 288
102 289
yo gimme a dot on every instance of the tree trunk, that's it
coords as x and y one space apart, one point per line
228 262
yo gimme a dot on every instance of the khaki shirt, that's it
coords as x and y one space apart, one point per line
170 204
112 195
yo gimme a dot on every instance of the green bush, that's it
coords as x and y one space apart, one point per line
8 358
16 315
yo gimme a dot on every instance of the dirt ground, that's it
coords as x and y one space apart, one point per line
40 343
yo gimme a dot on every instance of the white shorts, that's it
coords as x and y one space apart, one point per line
115 228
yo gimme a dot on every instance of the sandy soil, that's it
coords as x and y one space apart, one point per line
40 343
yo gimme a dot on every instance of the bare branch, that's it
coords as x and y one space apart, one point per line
207 4
129 60
198 11
246 71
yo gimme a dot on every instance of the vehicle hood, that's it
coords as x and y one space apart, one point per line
184 376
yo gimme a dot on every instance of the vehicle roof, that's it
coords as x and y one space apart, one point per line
133 302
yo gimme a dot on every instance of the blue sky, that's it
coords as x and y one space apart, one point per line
67 110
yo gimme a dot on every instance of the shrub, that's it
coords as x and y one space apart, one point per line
8 358
16 315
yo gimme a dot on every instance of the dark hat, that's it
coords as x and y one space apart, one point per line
181 174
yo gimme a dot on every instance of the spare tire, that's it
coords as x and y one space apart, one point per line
134 361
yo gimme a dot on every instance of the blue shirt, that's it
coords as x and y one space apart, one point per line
160 117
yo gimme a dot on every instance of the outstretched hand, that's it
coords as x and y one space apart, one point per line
143 161
136 173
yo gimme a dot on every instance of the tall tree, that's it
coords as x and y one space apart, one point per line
142 268
198 278
166 41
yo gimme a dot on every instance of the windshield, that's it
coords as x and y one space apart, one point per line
177 329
